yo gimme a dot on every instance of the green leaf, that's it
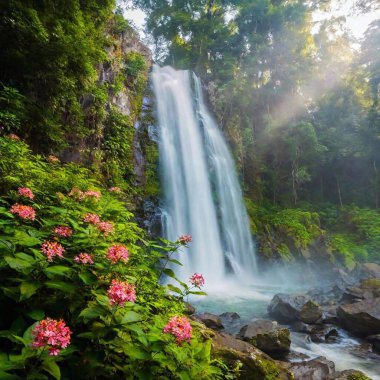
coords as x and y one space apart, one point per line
169 273
36 314
131 317
22 238
175 262
52 368
92 312
20 265
61 285
26 257
87 278
27 289
58 270
198 293
8 376
174 289
134 352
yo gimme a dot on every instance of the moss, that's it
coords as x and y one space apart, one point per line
358 376
373 283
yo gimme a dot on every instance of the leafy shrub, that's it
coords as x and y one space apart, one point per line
108 341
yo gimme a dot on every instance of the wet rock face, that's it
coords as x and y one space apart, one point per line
267 336
316 369
293 308
286 308
361 318
324 334
211 320
375 341
311 312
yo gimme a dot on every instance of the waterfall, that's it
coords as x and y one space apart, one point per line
202 196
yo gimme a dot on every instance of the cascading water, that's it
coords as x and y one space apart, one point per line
202 195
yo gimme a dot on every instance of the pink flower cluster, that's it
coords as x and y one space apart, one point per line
25 192
115 189
105 227
80 195
92 194
84 258
180 328
121 292
53 159
53 334
197 280
51 249
14 137
76 193
91 218
118 253
185 239
24 212
63 231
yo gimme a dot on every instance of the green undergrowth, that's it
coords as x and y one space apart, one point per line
348 234
107 342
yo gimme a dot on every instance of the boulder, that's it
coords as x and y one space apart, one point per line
211 320
324 334
366 271
286 308
370 270
329 314
361 318
316 369
310 313
190 309
375 340
248 362
267 336
351 374
229 316
302 327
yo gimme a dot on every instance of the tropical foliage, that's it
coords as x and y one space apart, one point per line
80 282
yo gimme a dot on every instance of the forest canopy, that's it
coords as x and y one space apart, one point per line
298 100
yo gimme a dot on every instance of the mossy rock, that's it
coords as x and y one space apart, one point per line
372 283
246 361
273 342
311 312
352 374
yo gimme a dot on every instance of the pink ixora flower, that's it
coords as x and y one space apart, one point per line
121 292
14 137
91 218
197 280
105 227
185 239
118 253
84 258
180 328
24 212
51 249
63 231
25 192
51 333
92 194
76 193
53 159
114 189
